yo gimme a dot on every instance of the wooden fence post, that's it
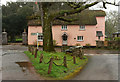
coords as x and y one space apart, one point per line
36 50
29 48
32 50
41 57
50 65
65 62
74 59
80 53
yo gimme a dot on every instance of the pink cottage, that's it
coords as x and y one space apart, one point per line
89 28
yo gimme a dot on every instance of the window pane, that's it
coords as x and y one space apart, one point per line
64 27
80 38
82 27
40 37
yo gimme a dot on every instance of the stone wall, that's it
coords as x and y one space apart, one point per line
24 38
4 38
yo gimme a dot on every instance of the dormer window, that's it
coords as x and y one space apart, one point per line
82 27
64 27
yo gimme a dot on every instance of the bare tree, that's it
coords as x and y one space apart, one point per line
111 25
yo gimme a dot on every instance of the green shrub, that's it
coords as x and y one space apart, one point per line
54 42
117 38
78 44
107 39
88 45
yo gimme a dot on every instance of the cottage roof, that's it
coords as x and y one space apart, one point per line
86 17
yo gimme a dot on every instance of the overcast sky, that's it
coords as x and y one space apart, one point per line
98 6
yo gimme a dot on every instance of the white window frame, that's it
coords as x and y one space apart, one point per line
80 38
82 27
41 38
64 27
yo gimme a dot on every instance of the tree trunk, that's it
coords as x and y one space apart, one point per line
47 31
47 34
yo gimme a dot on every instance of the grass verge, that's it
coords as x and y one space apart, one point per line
57 72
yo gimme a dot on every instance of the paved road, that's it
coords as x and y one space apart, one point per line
100 67
0 63
11 70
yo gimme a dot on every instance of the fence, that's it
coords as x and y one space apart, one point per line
51 61
111 44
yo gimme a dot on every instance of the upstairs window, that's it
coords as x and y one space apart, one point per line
64 27
79 38
82 27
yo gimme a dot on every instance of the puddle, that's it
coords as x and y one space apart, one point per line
25 66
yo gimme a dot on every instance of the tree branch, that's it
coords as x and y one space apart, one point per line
104 3
65 19
73 11
111 3
75 5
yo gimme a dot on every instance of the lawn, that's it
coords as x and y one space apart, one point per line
57 72
19 39
16 40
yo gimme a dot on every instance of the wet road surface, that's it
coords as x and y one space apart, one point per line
101 51
100 67
16 65
0 63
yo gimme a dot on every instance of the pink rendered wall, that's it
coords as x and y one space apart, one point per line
101 26
33 38
72 31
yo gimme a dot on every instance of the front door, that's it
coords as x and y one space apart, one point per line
64 39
